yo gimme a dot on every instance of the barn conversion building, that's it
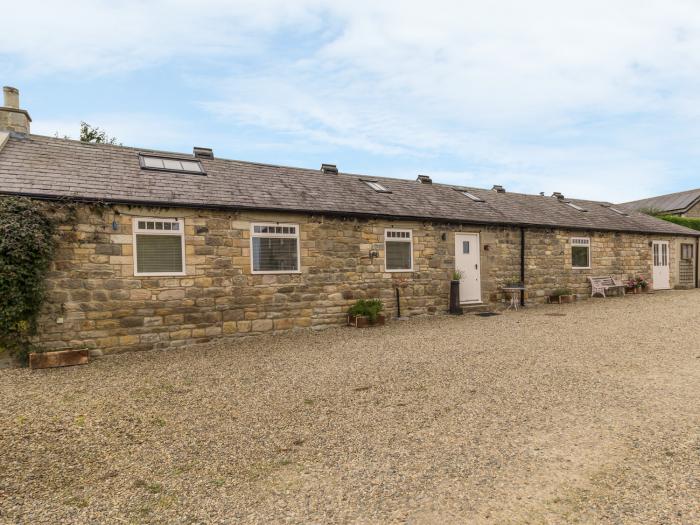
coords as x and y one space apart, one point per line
164 249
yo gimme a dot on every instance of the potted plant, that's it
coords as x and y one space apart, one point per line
366 312
455 307
642 283
560 296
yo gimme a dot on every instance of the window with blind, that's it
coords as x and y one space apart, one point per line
159 247
580 252
275 248
398 250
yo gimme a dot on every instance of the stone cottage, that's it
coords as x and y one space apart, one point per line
166 249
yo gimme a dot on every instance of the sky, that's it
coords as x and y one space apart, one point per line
594 99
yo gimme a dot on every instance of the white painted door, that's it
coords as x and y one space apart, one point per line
660 255
468 262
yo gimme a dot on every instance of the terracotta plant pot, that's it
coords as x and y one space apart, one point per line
362 321
561 299
56 359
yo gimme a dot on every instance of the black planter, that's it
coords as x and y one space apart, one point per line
455 308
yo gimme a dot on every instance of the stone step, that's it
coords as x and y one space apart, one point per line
473 308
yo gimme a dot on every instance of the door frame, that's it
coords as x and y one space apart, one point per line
668 262
478 240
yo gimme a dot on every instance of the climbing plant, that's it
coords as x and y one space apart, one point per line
26 251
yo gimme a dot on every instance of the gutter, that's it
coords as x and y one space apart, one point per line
224 207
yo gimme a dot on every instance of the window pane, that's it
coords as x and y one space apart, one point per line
274 255
158 254
579 256
172 164
398 255
152 162
190 166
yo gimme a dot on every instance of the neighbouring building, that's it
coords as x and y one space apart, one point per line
683 203
161 249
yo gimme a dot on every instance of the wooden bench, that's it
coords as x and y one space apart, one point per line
600 285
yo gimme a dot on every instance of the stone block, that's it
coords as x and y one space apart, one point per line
171 295
262 325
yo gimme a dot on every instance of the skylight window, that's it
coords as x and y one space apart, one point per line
471 196
619 211
376 186
575 206
151 162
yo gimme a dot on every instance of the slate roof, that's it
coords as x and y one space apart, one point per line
670 203
49 167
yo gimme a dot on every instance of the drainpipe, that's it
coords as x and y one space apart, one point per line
522 264
398 303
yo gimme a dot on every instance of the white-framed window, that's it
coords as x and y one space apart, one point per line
274 248
398 250
159 247
686 251
580 252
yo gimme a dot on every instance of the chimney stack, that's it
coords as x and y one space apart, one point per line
12 118
558 195
424 179
329 168
498 188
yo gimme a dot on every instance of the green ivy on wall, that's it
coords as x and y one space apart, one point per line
26 251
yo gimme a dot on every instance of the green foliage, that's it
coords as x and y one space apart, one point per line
26 250
95 135
457 275
370 308
560 292
688 222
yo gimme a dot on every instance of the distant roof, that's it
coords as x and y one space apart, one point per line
47 167
671 203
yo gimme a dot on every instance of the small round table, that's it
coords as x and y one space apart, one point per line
515 294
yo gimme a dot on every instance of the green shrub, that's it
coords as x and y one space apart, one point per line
26 251
561 291
688 222
370 308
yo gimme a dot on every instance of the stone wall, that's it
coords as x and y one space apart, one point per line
95 301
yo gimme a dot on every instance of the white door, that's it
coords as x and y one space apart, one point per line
468 262
660 277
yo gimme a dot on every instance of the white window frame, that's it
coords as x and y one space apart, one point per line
138 231
295 235
581 241
395 239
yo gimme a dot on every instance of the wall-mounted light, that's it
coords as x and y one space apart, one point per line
486 247
443 236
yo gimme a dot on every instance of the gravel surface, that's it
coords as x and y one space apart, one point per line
584 413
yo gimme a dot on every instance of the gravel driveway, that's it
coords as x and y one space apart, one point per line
583 413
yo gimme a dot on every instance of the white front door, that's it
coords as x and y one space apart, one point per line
660 255
468 262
